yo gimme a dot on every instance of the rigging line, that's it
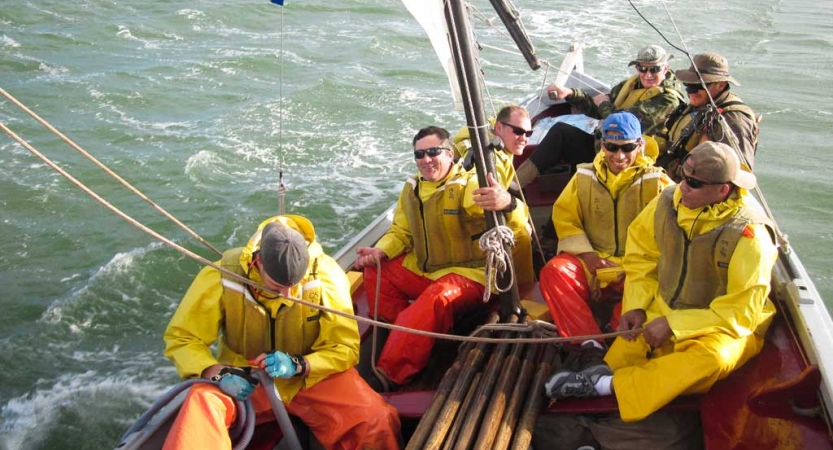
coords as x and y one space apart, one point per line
660 32
281 186
724 125
244 280
481 76
490 23
108 171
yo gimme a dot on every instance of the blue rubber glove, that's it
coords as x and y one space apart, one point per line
280 365
236 386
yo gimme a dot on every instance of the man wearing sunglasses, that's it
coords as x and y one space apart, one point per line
512 128
699 121
651 94
309 352
698 263
591 218
432 268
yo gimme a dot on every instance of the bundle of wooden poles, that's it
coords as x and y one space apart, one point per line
490 397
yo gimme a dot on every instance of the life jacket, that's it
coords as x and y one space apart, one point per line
251 327
692 273
629 95
443 234
684 133
603 214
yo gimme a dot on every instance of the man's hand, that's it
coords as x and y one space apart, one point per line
631 320
558 92
599 99
233 381
277 364
368 256
594 262
494 197
657 332
236 386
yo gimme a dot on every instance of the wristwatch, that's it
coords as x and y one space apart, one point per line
512 204
300 365
219 375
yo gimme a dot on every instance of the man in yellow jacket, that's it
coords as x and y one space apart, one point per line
430 255
698 263
310 352
591 218
512 127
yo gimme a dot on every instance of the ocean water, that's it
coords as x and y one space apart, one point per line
202 105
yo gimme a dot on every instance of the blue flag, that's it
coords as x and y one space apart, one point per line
277 2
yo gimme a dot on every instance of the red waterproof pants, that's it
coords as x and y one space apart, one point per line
565 288
438 303
342 411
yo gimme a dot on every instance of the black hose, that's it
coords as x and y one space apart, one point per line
159 403
279 409
244 425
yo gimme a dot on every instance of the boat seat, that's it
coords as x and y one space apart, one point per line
744 389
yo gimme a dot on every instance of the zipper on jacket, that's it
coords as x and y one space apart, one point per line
424 234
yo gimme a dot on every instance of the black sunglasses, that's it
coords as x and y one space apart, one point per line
518 130
652 69
693 88
627 148
432 152
697 184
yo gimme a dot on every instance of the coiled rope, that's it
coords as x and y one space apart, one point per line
493 243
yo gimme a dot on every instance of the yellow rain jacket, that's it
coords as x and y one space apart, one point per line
400 238
587 209
742 310
505 174
707 344
215 305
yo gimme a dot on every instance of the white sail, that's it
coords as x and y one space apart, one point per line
429 14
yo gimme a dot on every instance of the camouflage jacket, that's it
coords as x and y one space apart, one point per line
651 113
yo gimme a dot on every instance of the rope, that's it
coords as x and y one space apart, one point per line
374 339
281 186
497 258
108 171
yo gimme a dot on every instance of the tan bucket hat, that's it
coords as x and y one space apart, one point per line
712 67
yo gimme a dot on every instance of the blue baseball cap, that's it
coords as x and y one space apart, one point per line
625 123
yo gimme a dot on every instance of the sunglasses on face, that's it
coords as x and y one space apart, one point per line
432 152
652 69
697 184
518 130
693 88
627 148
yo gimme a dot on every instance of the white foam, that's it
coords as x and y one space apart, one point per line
8 42
23 419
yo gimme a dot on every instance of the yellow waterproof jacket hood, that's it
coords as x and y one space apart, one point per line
200 320
742 310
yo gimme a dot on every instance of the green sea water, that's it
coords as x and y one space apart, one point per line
202 105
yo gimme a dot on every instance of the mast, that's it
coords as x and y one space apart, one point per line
459 32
